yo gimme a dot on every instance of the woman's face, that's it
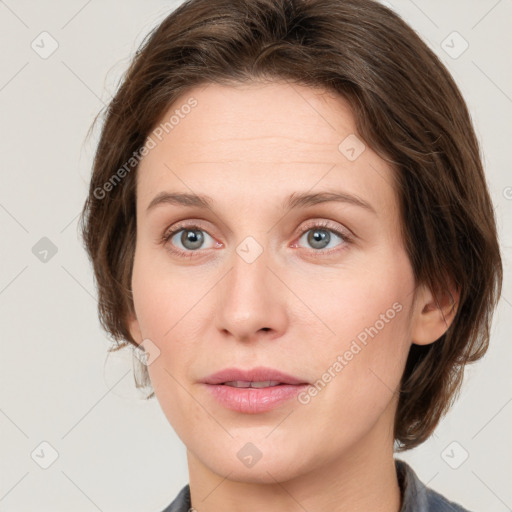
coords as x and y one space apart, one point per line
294 264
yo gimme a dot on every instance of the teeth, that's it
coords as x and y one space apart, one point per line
238 384
247 384
265 384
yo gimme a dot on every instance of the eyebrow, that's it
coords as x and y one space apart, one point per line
294 201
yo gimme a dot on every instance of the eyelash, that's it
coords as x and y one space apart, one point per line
319 225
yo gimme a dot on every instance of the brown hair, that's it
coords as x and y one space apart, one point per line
407 108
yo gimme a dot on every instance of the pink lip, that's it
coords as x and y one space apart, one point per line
253 400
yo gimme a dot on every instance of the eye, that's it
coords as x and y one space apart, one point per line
321 236
191 238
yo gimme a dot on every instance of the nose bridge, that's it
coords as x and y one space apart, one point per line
250 298
248 279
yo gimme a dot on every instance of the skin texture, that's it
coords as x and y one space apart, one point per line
295 308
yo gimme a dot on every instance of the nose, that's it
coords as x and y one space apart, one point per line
251 300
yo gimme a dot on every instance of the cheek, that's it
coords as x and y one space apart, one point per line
165 307
170 306
363 326
358 301
161 298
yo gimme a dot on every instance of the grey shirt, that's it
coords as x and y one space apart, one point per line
415 496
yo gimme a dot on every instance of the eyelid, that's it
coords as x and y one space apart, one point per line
328 225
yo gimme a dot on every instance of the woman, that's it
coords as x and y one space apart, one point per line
288 214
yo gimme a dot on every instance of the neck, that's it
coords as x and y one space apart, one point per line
364 478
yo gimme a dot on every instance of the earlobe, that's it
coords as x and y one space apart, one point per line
433 314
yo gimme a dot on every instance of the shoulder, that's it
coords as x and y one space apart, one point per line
181 503
417 497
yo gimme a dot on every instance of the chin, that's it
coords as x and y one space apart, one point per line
252 459
268 470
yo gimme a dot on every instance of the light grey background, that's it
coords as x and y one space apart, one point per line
117 452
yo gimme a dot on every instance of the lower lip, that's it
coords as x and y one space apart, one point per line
254 400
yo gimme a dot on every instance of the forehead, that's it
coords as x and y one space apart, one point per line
272 138
233 121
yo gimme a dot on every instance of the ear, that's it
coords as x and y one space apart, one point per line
433 314
134 327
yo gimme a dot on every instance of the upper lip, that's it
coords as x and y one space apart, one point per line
258 374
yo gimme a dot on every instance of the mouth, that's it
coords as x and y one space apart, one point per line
249 384
257 377
253 391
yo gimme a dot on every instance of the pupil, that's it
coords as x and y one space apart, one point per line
319 238
192 239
